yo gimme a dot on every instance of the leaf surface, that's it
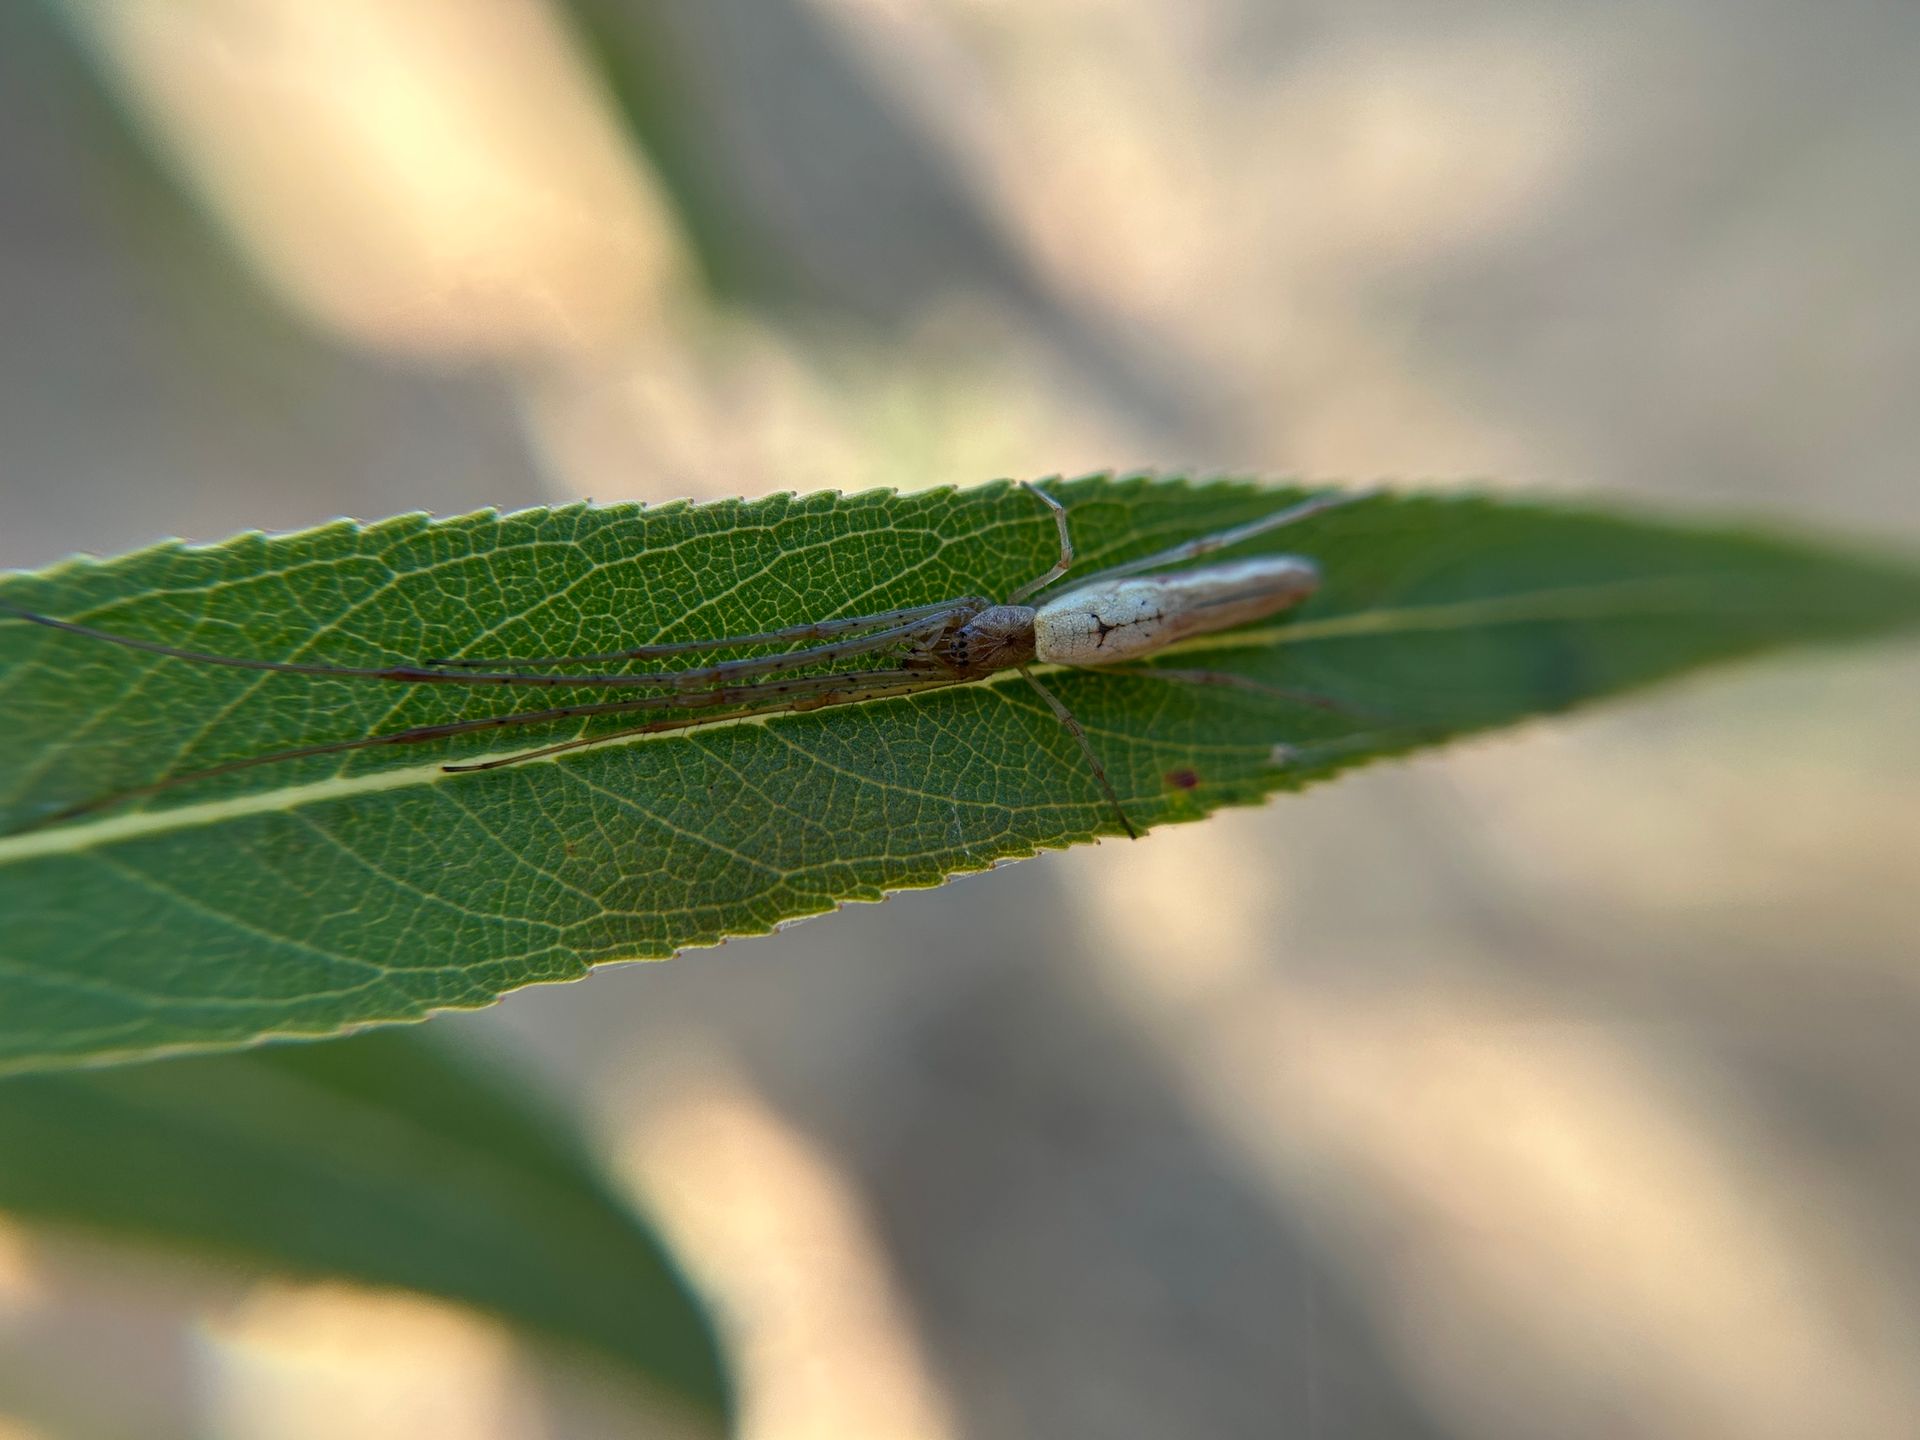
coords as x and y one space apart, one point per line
379 1158
314 895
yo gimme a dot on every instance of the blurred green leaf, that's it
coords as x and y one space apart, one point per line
797 180
310 896
378 1158
670 115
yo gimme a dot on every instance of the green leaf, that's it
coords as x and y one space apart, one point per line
309 896
379 1158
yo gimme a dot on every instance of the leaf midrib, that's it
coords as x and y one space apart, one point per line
1557 603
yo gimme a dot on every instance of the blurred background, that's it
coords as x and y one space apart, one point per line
1561 1085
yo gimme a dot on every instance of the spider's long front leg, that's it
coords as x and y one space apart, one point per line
924 622
919 632
660 650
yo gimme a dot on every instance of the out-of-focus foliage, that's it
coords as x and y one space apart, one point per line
377 1158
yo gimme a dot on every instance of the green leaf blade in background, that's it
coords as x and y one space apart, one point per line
380 1158
309 897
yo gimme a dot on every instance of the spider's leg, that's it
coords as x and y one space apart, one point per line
805 692
401 673
1064 563
924 621
809 692
1221 539
417 734
1229 680
1073 728
917 632
723 673
812 630
1389 726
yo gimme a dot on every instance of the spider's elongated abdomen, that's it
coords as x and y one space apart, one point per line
1111 621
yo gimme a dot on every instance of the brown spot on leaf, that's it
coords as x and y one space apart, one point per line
1183 778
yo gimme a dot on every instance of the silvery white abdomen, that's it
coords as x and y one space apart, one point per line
1111 621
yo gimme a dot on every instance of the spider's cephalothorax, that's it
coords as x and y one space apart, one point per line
1000 637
